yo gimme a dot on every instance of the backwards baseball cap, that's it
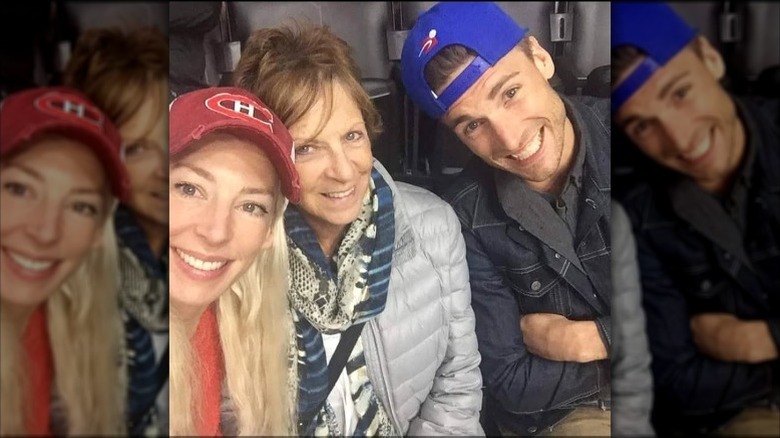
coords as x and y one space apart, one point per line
67 112
653 28
237 111
480 26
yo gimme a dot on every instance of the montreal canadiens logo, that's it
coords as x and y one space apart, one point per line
63 105
240 107
428 43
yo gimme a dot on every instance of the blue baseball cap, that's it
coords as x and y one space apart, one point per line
480 26
654 28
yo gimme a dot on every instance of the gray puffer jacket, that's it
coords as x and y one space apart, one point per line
421 352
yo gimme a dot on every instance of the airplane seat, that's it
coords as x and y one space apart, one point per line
599 82
365 35
190 22
768 82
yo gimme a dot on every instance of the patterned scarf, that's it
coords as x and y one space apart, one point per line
329 297
144 298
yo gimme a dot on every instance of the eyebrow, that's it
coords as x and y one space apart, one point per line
28 170
36 175
492 95
670 84
256 191
496 88
201 172
664 91
627 121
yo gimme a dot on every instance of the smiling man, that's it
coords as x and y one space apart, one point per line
707 226
534 210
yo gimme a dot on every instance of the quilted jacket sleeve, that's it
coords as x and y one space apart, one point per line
452 407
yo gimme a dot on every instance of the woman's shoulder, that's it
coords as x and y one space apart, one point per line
419 203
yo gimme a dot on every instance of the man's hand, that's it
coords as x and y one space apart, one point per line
557 338
723 336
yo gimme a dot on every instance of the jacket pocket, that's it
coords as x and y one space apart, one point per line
540 289
706 287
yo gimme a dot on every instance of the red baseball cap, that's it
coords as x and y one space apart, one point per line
229 109
65 111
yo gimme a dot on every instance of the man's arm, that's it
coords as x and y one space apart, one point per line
555 337
520 380
687 379
724 337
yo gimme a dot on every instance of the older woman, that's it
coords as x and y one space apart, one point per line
368 257
230 167
60 177
125 72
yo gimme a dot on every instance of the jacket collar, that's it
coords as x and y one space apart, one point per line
591 137
703 212
402 223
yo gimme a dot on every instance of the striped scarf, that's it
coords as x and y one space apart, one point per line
330 296
144 301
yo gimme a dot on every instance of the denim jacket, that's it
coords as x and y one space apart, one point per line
518 264
694 260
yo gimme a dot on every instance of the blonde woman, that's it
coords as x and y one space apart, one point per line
231 169
60 176
125 72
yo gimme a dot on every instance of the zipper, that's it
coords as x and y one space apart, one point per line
381 385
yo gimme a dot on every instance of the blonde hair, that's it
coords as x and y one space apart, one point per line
289 68
84 326
254 328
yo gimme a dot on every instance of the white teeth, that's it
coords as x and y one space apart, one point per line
30 264
338 195
700 150
532 147
199 264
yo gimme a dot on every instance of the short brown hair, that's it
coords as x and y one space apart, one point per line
118 67
289 67
624 56
450 58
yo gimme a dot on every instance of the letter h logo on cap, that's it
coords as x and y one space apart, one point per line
70 106
240 107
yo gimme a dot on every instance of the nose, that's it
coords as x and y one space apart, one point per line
341 166
215 225
507 131
45 227
678 130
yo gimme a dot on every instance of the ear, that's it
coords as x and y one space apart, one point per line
711 58
541 58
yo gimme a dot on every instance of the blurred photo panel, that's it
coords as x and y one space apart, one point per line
84 186
696 170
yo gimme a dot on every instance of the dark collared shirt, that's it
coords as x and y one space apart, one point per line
566 203
735 201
